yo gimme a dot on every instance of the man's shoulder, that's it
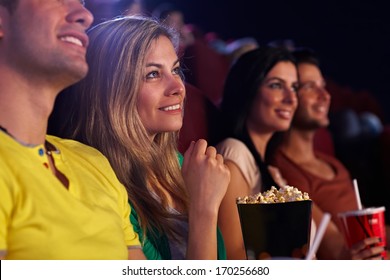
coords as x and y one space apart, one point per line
84 158
330 159
334 162
73 150
72 146
279 157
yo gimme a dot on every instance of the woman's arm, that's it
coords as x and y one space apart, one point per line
332 246
136 254
206 178
228 219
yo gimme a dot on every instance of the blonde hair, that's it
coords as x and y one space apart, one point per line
101 111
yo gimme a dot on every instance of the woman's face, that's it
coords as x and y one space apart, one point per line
160 101
275 103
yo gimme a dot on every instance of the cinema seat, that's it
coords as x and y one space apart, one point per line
198 111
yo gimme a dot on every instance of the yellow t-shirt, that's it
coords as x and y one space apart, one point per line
41 219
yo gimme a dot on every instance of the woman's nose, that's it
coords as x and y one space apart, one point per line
176 86
290 95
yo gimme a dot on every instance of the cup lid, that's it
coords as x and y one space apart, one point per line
364 211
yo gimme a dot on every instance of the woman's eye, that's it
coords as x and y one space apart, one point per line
152 75
178 71
275 85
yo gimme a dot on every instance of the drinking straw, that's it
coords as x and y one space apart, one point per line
359 203
318 237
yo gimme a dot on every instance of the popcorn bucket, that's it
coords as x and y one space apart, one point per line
276 230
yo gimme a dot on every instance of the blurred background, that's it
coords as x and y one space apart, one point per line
350 37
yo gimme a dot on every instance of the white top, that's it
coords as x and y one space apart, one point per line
237 152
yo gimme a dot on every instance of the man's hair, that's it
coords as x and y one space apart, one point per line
306 55
9 4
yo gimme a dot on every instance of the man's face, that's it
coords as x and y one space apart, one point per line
46 40
313 98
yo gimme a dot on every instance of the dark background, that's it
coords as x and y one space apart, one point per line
351 37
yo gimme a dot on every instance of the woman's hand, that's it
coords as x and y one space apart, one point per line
206 176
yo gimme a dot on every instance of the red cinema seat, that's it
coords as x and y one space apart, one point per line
197 111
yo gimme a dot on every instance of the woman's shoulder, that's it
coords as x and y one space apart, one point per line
231 144
237 152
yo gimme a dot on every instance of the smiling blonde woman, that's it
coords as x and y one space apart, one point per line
130 107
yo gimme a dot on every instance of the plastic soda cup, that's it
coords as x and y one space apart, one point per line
361 224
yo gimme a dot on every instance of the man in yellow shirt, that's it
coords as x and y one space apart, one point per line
59 199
